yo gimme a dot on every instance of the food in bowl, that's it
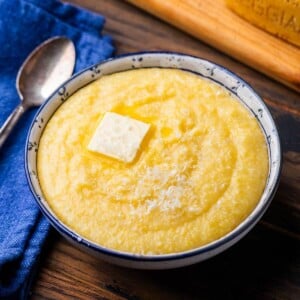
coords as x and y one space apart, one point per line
195 174
143 130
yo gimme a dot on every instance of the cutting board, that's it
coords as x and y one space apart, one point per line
214 23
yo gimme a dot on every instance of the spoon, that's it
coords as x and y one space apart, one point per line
44 70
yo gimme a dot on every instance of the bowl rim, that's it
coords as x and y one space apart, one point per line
241 228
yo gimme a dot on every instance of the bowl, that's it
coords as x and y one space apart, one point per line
238 87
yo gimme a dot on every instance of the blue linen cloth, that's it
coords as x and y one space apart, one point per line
24 24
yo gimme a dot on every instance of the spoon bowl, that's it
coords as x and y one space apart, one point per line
46 68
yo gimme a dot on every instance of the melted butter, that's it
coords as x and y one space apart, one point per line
200 171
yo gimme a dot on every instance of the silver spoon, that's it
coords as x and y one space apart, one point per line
45 69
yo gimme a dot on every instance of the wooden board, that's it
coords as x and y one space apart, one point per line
214 23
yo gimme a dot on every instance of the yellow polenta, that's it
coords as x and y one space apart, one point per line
200 171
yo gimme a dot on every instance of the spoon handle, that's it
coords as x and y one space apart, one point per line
10 123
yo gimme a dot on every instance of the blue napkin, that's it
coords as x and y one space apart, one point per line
24 24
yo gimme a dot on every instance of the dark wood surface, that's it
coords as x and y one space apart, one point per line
264 265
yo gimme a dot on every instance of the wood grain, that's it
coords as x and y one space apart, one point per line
214 23
265 265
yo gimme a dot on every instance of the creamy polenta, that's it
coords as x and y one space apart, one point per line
199 172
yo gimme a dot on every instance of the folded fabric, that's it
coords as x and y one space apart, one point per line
24 24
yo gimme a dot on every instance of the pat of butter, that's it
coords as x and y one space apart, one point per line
118 136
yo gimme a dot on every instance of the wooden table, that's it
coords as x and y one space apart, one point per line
264 265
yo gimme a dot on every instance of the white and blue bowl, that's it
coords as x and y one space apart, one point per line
240 89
